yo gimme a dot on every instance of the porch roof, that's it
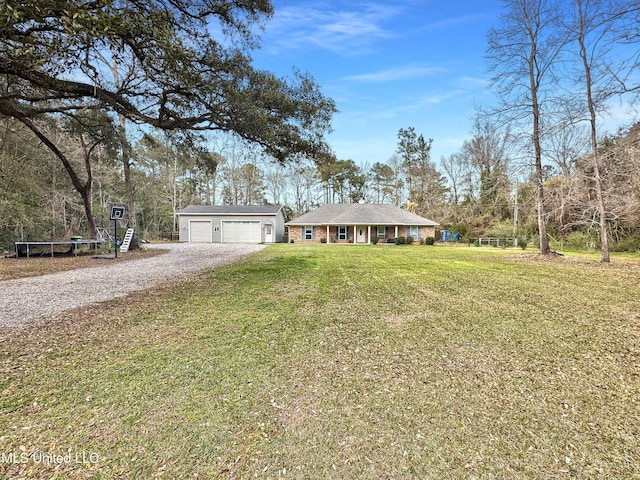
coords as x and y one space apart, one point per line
360 214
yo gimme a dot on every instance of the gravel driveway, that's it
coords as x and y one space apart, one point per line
30 299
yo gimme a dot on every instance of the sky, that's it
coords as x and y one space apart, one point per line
387 65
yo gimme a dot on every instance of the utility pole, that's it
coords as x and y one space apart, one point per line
515 216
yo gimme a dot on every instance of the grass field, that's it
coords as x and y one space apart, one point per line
341 362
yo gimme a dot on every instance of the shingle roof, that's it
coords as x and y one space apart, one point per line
231 210
360 214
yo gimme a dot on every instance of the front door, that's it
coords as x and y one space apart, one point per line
361 236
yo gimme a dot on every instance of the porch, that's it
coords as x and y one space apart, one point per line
357 234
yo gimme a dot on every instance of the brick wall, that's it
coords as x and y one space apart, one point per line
295 234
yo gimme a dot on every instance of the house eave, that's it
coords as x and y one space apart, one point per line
213 214
366 224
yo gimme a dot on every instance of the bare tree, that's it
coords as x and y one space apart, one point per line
565 145
523 51
455 169
620 169
486 156
399 188
276 183
592 28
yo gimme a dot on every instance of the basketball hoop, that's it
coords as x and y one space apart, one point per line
117 215
123 222
117 212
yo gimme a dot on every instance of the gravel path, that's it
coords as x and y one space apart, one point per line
35 298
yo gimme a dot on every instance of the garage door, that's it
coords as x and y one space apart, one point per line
200 231
241 232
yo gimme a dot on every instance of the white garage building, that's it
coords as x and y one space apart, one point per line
231 224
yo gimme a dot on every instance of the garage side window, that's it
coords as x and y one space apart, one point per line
308 233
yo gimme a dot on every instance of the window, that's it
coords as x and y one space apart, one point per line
342 233
268 230
380 231
307 233
413 231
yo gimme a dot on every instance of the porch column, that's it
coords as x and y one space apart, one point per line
396 231
369 234
355 234
328 237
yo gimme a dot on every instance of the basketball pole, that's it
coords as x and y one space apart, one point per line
117 213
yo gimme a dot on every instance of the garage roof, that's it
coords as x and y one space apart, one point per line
231 210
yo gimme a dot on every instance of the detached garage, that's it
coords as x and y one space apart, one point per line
231 224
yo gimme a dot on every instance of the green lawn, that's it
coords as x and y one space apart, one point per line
335 361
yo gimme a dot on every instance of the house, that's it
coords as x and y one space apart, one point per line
231 224
359 223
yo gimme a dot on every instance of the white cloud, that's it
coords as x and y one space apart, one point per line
472 83
456 22
407 72
347 32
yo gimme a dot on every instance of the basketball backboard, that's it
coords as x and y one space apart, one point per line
117 212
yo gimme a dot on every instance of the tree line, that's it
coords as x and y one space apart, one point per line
110 102
481 190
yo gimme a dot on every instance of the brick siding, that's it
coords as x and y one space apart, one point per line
296 233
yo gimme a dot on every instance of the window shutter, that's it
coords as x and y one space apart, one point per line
313 233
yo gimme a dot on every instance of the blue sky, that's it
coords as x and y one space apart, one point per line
388 65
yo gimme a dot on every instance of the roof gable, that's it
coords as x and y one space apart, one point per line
361 214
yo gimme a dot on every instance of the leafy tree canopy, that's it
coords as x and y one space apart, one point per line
179 65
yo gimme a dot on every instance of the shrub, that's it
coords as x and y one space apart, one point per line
582 241
375 239
523 242
629 244
401 241
409 240
323 240
430 241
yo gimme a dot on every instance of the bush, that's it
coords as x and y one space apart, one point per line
629 244
523 242
582 241
409 240
401 241
375 239
430 241
323 240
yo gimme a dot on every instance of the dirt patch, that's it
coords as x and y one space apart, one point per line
13 268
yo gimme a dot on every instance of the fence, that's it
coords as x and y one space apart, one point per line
497 241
